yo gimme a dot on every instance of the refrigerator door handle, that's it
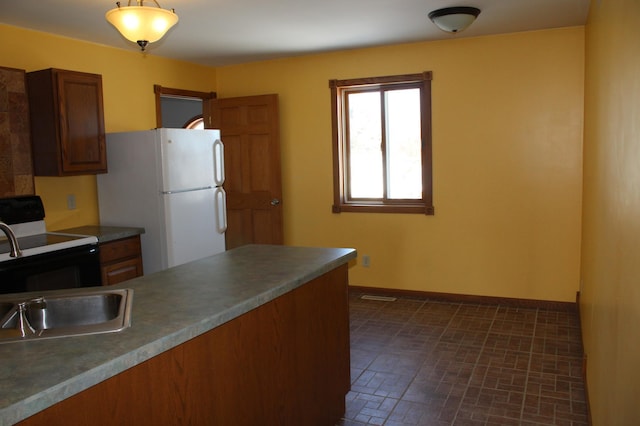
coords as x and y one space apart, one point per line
186 190
221 208
218 162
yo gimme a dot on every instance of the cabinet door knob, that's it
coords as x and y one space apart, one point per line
275 202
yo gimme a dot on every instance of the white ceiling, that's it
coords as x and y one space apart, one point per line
223 32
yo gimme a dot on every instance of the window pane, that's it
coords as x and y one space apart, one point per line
404 144
365 156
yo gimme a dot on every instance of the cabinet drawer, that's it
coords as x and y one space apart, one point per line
120 249
121 271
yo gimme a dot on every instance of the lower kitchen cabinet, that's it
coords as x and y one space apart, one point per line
284 363
120 260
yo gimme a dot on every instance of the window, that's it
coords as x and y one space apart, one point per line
195 123
382 144
166 116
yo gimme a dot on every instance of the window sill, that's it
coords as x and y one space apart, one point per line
386 208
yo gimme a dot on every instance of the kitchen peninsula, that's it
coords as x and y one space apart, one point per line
254 335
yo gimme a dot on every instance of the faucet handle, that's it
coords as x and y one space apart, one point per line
37 303
23 323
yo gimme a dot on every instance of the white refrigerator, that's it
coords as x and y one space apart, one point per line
168 181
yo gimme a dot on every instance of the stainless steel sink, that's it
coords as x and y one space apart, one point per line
83 312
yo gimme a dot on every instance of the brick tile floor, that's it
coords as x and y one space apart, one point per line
426 362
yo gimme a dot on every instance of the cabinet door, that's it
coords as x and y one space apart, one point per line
67 122
82 135
122 271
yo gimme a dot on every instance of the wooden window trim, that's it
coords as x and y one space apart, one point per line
161 91
341 203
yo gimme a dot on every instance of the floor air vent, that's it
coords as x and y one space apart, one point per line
379 298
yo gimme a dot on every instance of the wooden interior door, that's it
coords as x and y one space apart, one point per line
250 132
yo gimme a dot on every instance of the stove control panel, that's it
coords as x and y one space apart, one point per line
21 209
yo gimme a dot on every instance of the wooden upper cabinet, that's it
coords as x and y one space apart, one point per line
67 123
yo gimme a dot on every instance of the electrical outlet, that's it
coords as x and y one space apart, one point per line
366 260
71 202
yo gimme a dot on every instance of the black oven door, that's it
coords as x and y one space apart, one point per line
69 268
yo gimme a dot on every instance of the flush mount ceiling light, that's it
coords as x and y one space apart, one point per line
454 19
142 24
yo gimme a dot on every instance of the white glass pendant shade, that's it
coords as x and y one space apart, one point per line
454 19
142 24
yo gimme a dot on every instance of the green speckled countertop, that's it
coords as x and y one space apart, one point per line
104 233
169 308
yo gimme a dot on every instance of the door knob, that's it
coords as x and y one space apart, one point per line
275 202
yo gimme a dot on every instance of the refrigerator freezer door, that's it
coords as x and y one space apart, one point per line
191 230
187 159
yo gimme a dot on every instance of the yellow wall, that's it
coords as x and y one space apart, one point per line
507 150
610 295
128 77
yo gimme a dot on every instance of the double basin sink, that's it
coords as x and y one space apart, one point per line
88 311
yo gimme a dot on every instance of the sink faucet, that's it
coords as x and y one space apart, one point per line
13 241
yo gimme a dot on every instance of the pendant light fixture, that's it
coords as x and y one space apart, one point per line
142 24
454 19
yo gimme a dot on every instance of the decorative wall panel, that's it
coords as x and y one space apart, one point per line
16 168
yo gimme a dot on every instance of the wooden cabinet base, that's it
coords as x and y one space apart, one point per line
283 363
120 260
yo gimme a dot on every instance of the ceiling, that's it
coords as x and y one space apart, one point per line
224 32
